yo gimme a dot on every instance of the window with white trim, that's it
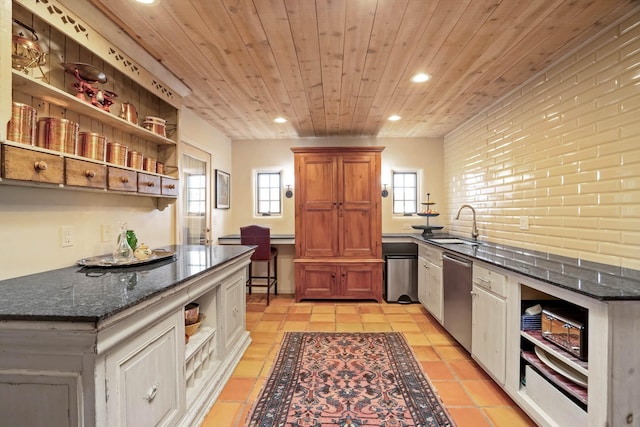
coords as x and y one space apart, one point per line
268 193
196 197
405 192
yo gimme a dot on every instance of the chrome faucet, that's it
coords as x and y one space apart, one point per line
474 229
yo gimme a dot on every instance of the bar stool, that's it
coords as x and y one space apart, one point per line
256 235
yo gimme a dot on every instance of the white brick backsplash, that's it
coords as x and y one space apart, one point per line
564 149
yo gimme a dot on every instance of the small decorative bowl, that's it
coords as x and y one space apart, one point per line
193 328
191 312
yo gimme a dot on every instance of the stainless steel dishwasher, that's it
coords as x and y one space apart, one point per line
457 282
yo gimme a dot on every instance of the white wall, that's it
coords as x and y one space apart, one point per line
423 154
31 221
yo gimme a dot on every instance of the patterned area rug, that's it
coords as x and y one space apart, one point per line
347 380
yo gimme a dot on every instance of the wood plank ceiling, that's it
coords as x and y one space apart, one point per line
342 67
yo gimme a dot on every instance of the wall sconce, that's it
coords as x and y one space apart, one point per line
288 194
385 192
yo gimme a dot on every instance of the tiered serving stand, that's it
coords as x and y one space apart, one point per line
428 229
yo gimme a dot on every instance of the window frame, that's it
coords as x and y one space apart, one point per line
201 202
270 189
397 191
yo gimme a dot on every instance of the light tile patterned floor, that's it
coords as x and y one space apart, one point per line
472 398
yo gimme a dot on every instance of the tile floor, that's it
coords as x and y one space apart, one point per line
472 398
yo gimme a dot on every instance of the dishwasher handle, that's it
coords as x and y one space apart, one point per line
461 262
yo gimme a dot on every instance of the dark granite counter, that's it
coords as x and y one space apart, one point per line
82 294
595 280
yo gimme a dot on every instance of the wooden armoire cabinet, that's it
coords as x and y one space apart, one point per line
338 223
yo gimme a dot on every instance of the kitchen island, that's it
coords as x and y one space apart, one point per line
107 346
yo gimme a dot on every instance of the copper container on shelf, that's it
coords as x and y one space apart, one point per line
155 124
22 125
160 168
58 134
117 153
149 164
92 145
135 159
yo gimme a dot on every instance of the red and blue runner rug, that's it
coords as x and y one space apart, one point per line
339 379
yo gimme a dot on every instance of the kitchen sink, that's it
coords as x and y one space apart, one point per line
453 241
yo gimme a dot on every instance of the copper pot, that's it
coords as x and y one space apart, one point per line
160 168
117 153
22 125
92 145
135 159
58 134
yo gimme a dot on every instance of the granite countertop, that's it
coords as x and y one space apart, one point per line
595 280
92 294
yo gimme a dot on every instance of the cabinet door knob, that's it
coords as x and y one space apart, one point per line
151 184
90 174
40 166
171 186
151 394
124 179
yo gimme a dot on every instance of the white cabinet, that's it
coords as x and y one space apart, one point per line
489 321
232 305
430 292
39 399
145 377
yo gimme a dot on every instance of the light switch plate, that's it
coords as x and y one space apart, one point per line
524 223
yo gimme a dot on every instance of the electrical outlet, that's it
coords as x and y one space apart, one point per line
524 223
67 236
106 232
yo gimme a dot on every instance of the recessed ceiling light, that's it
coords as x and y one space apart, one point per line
146 1
280 120
394 118
420 78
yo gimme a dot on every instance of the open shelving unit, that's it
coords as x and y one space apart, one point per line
553 378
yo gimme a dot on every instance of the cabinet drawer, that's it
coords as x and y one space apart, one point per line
28 165
148 184
122 179
488 279
552 401
85 174
169 186
432 255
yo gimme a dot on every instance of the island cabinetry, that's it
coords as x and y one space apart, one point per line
489 320
53 91
135 367
338 222
145 377
430 292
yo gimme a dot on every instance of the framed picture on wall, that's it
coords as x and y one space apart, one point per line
223 190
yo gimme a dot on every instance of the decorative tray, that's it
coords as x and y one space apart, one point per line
108 261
